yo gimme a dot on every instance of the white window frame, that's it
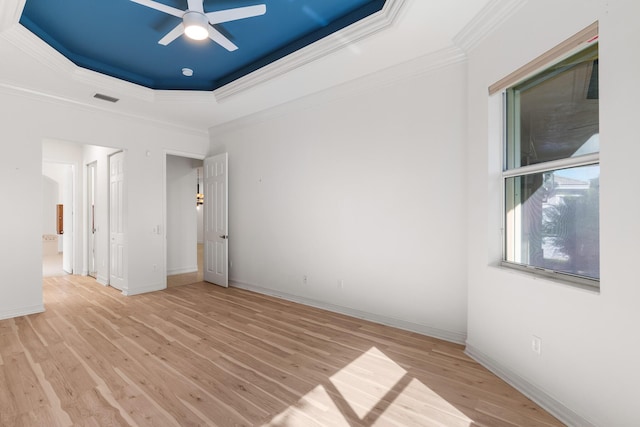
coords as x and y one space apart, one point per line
569 47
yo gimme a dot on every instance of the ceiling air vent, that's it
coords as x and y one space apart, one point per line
105 97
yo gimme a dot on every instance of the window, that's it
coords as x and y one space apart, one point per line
551 170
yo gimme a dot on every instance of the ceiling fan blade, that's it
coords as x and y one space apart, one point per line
160 7
172 35
228 15
221 40
195 5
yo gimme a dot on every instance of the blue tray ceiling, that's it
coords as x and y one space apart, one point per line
119 38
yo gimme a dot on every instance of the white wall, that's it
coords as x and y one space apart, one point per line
364 187
27 120
21 250
181 216
590 346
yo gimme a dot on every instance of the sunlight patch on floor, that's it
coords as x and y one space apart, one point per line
367 380
374 390
417 400
316 408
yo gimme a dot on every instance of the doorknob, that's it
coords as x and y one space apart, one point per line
224 236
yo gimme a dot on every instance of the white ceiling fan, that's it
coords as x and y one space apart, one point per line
198 25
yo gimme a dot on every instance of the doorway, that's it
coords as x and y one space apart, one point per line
84 183
184 220
57 214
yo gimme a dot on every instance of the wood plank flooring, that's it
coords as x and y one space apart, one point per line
200 355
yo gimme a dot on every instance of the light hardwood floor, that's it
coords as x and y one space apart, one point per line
200 355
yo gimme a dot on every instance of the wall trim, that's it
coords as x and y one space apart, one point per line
349 35
454 337
22 311
539 396
486 22
144 289
103 280
184 270
387 77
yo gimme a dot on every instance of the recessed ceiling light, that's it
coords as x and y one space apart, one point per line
187 72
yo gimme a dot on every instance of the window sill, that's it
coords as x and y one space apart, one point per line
547 275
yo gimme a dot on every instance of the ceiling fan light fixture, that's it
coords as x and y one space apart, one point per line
196 25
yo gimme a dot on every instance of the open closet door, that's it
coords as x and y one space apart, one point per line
117 251
216 239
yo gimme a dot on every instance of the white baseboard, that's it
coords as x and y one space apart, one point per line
174 271
533 392
103 280
455 337
144 289
23 311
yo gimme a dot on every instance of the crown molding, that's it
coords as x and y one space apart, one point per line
33 46
486 22
203 97
349 35
112 85
39 96
10 11
372 82
30 44
37 49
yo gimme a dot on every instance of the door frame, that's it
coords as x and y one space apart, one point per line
163 232
92 186
70 247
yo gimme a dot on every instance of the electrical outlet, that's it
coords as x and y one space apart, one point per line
536 345
340 284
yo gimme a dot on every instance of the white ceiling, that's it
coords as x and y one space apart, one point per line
420 28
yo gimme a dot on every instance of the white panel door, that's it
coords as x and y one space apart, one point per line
216 239
117 253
